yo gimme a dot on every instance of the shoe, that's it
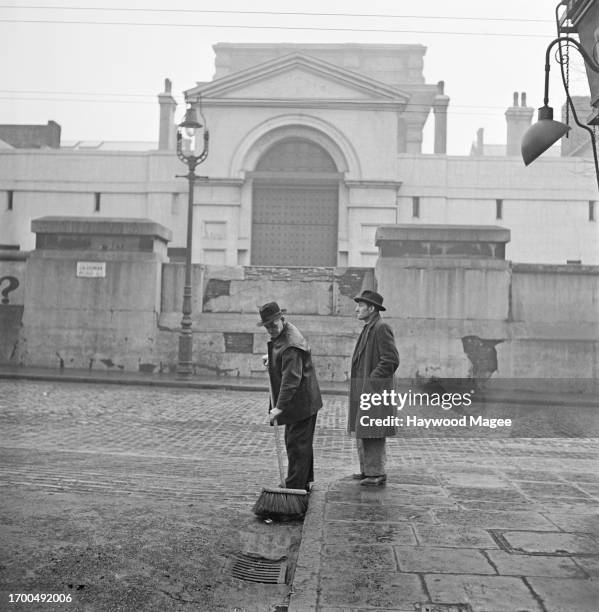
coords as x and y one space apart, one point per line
373 481
358 476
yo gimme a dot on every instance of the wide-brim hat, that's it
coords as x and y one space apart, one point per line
270 312
371 297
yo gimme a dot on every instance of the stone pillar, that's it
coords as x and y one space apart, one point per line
167 133
440 104
445 287
93 289
518 120
444 271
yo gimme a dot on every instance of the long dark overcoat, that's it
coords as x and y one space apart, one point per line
292 377
372 372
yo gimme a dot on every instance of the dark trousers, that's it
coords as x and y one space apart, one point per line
372 455
300 457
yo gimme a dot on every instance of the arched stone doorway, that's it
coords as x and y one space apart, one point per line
295 203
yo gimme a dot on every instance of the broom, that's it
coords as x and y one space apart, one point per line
277 502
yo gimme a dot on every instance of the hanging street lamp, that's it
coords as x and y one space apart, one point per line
546 131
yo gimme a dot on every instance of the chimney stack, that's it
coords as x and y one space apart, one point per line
440 104
518 118
168 131
480 141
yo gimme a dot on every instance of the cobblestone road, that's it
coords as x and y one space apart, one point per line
152 451
222 433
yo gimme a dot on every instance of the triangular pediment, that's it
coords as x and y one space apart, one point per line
299 77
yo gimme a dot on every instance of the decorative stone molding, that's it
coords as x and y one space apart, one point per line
260 138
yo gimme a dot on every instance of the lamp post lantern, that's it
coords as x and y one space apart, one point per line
546 131
191 128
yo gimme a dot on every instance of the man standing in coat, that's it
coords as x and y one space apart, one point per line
295 393
374 362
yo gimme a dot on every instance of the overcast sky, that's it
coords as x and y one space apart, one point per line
99 76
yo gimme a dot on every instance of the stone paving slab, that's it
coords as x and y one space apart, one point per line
341 558
573 507
494 520
374 514
429 559
558 594
535 565
505 506
368 533
484 593
583 523
454 537
347 487
552 490
502 495
551 543
474 477
591 490
380 590
580 477
532 475
590 565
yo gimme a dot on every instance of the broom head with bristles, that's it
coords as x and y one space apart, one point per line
277 502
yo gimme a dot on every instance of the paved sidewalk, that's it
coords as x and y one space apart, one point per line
513 529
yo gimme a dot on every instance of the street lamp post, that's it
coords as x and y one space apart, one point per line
191 127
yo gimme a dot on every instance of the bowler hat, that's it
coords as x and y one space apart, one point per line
371 297
270 312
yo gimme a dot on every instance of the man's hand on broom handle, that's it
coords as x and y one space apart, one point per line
273 414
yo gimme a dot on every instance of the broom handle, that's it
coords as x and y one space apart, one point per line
279 453
277 437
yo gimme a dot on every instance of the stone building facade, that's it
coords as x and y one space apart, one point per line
312 148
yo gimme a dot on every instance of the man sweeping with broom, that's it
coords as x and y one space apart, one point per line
295 402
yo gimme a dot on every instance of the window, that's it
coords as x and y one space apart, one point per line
416 207
9 199
97 201
592 215
175 208
498 209
215 230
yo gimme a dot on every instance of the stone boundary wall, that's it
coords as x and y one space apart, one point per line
550 330
242 289
549 327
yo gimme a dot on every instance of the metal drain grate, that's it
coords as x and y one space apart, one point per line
258 569
444 607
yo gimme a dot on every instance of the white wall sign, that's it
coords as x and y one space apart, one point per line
91 269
